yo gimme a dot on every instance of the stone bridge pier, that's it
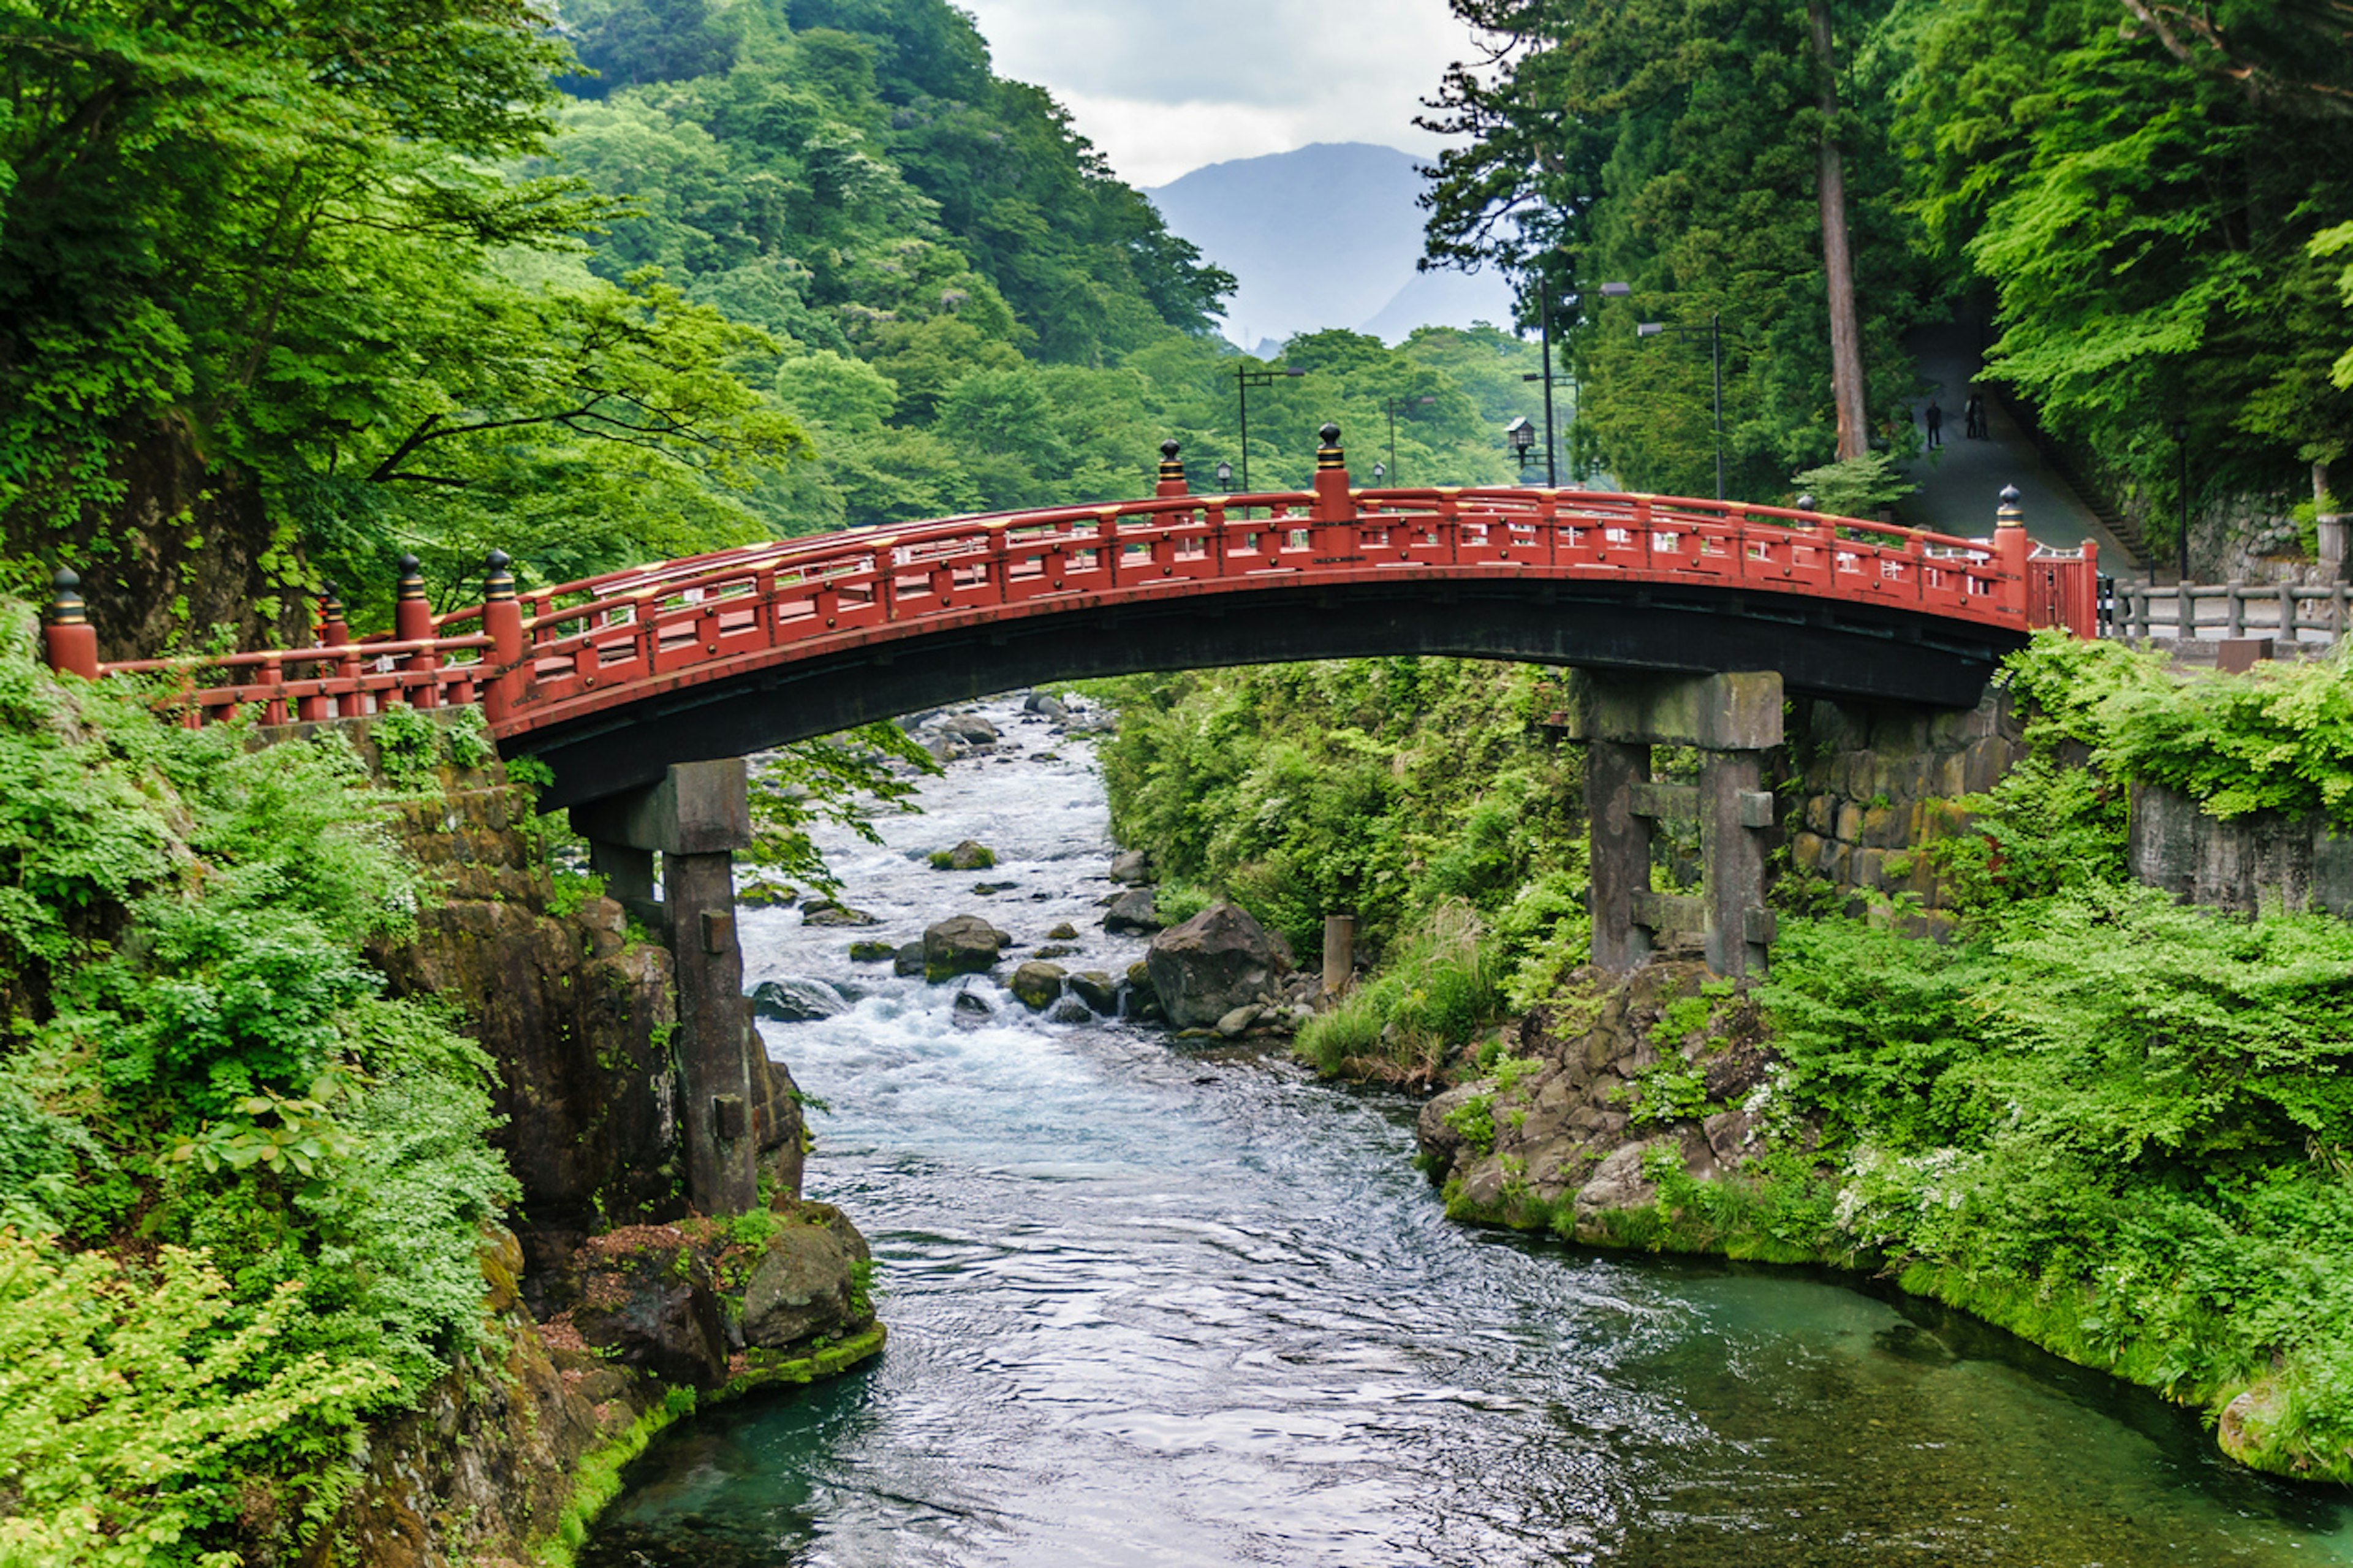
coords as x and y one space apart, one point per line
695 819
1732 719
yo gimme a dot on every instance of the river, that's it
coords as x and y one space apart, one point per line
1153 1305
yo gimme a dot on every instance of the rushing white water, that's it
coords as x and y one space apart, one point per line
1153 1306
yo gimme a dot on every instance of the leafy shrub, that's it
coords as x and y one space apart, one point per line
408 747
468 737
137 1406
1432 996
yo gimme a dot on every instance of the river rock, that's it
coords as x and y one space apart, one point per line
807 1283
646 1299
968 855
961 944
1038 985
871 953
796 1000
1097 990
1615 1184
944 748
1055 950
1133 867
607 924
1066 932
908 960
1236 1023
970 728
765 896
826 912
1133 914
1046 708
970 1008
1216 962
1069 1010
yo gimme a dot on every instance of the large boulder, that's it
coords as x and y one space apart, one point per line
1038 985
1099 991
1134 914
961 944
811 1280
970 728
1133 867
1220 960
826 912
797 1001
644 1298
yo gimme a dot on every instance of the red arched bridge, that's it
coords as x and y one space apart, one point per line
613 678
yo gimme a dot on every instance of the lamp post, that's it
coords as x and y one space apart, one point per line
1390 404
1244 379
1522 436
2181 441
1544 320
1225 479
1716 359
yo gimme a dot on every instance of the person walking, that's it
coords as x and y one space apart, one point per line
1974 419
1935 419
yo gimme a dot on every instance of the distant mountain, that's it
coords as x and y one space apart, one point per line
1324 236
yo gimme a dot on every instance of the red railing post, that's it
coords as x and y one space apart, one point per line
2011 550
1333 501
68 638
507 673
412 621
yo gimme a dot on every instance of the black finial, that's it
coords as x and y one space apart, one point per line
1806 503
66 608
1169 449
1330 457
2009 496
411 579
498 583
497 560
1172 468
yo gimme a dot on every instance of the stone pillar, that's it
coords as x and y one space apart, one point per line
1733 719
696 818
1734 814
1618 850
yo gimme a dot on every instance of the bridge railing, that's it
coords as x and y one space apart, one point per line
2289 612
553 653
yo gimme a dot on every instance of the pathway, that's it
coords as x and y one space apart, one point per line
1961 483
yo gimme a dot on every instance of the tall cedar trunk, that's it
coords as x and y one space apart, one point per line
1838 265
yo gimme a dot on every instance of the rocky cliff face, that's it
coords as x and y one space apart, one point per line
1564 1127
612 1309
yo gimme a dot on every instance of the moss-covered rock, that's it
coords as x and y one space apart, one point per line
1037 985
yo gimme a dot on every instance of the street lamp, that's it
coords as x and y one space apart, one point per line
1244 379
1225 479
1522 438
1544 318
1391 404
1381 472
2181 440
1716 358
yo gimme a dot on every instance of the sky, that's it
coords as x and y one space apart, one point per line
1163 87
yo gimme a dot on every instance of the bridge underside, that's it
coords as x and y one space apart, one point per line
1829 650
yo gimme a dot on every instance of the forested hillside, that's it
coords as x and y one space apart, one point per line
2144 198
285 295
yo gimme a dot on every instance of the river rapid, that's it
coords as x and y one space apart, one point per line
1155 1305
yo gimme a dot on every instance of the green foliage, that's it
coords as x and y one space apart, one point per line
2279 738
198 1045
1437 988
408 747
839 780
469 739
1855 487
139 1407
1473 1121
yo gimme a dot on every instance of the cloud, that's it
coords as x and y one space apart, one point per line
1163 89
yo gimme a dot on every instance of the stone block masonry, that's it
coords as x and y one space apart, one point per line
1875 785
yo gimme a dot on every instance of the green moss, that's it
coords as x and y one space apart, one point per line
597 1479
